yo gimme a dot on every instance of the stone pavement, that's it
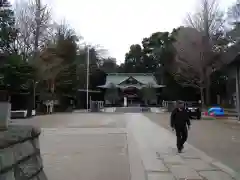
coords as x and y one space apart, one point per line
160 160
85 155
85 147
121 147
219 139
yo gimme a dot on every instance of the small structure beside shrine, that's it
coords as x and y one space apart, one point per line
231 60
131 89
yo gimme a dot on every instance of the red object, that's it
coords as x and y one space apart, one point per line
211 114
205 113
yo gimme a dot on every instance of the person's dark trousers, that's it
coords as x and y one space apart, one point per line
182 135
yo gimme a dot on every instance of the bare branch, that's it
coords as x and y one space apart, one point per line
33 21
207 19
192 59
234 12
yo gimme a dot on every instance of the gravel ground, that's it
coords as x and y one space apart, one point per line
220 139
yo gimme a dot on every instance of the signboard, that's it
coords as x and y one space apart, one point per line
5 113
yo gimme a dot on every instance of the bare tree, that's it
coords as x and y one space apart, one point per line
234 12
34 23
193 60
57 56
209 20
234 22
49 65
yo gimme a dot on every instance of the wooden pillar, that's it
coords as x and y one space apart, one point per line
238 92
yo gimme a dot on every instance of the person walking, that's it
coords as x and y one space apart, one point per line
180 123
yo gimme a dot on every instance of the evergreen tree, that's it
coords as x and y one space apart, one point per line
8 31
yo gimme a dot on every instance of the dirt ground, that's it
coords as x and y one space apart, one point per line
220 139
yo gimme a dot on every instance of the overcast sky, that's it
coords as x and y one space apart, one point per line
116 24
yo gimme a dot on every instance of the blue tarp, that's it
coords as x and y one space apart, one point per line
217 111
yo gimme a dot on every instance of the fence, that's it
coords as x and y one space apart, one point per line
96 106
133 109
169 105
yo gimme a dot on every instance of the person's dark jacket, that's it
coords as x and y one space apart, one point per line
179 119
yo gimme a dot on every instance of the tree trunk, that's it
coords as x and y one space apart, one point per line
30 104
208 92
38 23
202 97
53 94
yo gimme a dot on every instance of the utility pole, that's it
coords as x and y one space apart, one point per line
87 75
238 92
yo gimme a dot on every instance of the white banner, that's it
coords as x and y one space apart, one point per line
125 101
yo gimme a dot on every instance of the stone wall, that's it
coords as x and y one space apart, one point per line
5 110
20 157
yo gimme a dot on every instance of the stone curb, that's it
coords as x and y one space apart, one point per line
137 170
219 118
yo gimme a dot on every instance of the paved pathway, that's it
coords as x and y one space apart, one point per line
120 147
160 161
85 147
217 138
